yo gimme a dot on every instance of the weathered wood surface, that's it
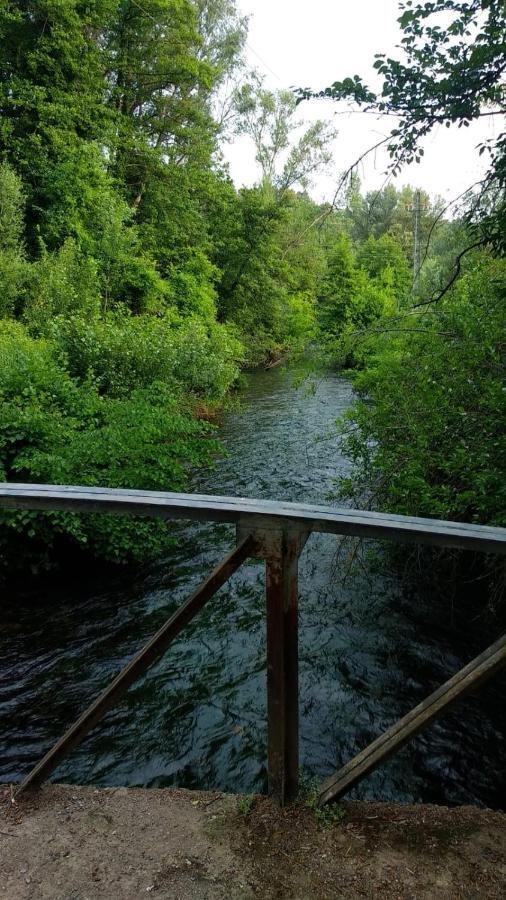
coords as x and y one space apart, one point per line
138 665
255 514
467 679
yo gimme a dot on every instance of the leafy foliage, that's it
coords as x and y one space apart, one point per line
123 353
451 72
12 253
429 440
360 288
55 429
135 280
427 435
132 273
267 117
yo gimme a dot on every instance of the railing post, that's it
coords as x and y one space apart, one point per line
281 589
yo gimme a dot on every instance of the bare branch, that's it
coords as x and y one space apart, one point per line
332 205
458 268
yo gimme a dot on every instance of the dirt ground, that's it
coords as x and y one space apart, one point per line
75 843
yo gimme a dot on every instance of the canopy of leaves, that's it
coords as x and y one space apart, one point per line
451 72
132 273
429 439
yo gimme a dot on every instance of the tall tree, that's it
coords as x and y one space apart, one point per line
451 73
12 251
268 118
52 104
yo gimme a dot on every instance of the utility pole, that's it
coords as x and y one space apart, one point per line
416 242
416 208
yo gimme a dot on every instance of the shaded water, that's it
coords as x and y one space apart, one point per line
368 652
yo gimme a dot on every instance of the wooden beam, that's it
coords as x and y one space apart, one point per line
281 591
138 665
467 679
256 514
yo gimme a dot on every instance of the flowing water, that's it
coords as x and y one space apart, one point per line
368 650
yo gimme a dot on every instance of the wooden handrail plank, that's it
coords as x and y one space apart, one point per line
470 677
138 665
255 514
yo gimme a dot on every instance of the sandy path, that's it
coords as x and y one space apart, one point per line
75 843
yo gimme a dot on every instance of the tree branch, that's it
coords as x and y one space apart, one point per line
458 268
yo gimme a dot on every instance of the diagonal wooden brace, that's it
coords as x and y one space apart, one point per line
479 670
138 665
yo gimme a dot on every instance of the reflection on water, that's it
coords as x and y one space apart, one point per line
197 719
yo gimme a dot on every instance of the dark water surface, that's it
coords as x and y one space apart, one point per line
368 652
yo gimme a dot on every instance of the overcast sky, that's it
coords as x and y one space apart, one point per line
312 45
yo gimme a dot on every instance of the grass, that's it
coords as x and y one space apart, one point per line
326 816
245 804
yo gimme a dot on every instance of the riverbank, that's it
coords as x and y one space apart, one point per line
74 842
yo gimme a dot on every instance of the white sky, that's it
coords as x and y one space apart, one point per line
312 45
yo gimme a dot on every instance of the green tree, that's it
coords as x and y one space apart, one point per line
222 33
51 100
383 259
373 214
13 269
268 118
451 73
339 288
158 88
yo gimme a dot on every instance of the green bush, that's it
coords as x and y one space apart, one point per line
54 429
61 284
428 436
123 352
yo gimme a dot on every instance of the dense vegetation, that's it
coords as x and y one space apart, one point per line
427 436
136 280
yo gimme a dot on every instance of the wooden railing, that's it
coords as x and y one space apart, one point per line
275 532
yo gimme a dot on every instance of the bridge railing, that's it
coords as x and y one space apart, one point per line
275 532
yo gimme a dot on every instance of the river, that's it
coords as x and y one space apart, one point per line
369 649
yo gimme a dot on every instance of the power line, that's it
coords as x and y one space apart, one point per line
264 63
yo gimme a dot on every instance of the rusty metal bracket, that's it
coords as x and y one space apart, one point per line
270 540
